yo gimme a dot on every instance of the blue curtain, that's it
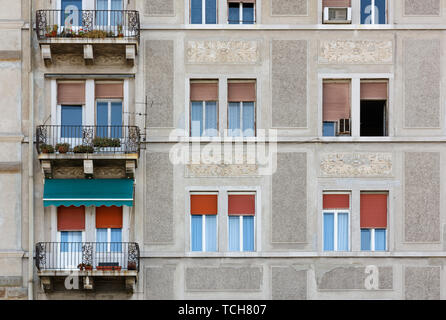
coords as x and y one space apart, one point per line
211 119
116 120
116 236
234 13
211 233
116 16
101 236
102 16
248 13
365 239
196 11
343 231
197 119
380 239
329 129
234 119
234 233
196 232
71 118
211 11
248 233
248 119
71 241
328 231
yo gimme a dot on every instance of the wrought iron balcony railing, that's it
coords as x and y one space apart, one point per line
87 139
87 256
91 24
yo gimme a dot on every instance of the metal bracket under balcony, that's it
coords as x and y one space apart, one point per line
88 33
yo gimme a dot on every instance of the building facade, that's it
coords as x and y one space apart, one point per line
222 149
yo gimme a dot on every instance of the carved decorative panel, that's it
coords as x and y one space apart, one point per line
109 172
356 164
225 52
356 52
68 172
221 170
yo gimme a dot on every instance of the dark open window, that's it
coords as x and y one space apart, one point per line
373 109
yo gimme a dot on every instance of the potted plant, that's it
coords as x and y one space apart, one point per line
131 265
54 31
62 147
83 149
88 267
100 142
46 148
120 34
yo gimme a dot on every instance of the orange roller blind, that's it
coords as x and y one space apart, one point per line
109 90
71 218
336 3
204 91
336 101
71 93
373 91
203 204
373 210
241 204
109 217
336 201
241 91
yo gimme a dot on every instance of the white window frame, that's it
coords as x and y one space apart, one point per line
372 239
109 236
372 13
241 18
203 105
109 102
203 12
335 232
241 242
242 130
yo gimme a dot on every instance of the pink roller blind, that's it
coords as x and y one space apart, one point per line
71 93
109 91
373 90
204 91
336 101
336 3
241 91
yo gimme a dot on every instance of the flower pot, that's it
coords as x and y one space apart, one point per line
88 268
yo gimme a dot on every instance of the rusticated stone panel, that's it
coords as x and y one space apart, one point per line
224 279
159 7
159 197
422 197
422 7
222 52
159 57
289 199
356 52
289 83
288 283
356 164
422 79
159 283
422 283
289 7
351 278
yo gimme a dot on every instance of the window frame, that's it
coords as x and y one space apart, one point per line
335 213
203 224
241 242
203 120
242 130
241 15
203 13
109 113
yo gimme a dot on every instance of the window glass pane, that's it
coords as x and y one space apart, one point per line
380 8
211 232
248 13
380 239
234 128
196 232
197 119
248 233
211 119
71 121
343 231
365 239
102 119
234 13
71 241
248 119
329 129
211 11
71 14
234 233
366 11
102 16
116 16
196 11
328 231
116 236
101 239
116 120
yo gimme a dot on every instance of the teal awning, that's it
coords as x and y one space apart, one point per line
88 192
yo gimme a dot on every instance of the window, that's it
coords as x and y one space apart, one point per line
373 108
109 229
241 213
70 225
373 221
203 209
203 11
71 121
109 109
204 111
336 106
241 11
109 12
336 222
71 13
71 98
373 11
241 107
337 11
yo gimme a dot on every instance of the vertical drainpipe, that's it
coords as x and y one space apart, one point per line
31 159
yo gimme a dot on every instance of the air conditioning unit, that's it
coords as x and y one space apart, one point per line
344 126
337 15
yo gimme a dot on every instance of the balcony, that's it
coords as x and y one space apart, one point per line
88 32
87 261
77 146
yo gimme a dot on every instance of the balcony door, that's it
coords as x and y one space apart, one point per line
109 15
